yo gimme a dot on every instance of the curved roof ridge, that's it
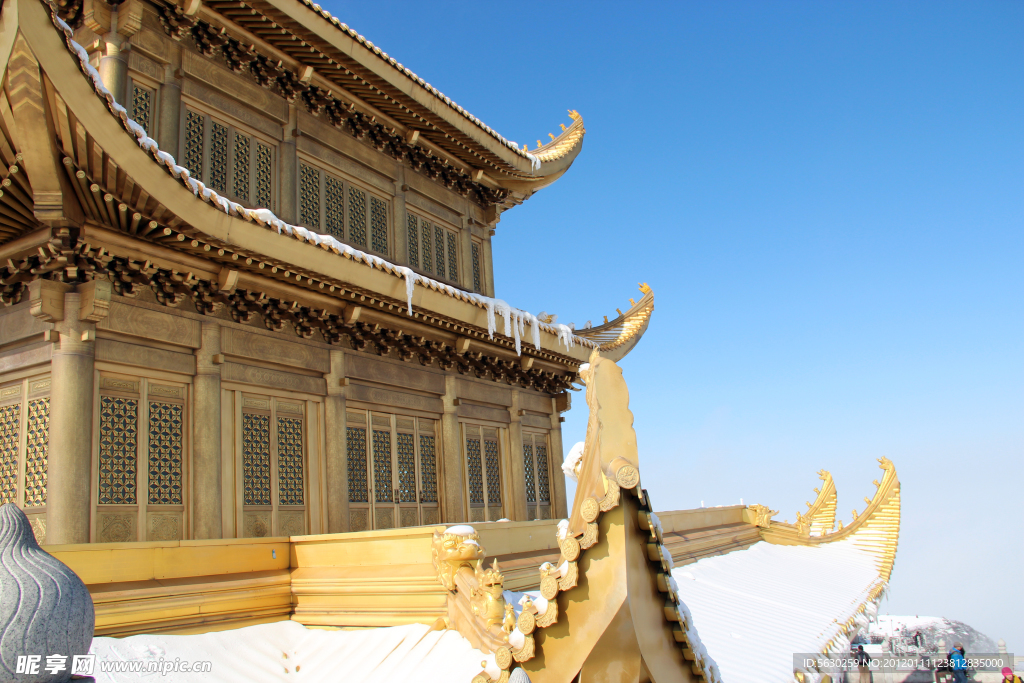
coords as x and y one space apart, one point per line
534 158
515 319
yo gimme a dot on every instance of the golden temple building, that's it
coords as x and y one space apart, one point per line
253 368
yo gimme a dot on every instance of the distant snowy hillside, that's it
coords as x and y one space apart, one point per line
933 629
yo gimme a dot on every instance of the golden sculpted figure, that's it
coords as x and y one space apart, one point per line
486 596
455 547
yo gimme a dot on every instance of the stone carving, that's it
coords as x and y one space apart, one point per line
117 528
46 609
164 528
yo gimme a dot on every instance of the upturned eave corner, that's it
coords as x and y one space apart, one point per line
875 530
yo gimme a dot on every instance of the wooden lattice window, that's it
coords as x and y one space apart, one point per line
477 277
234 162
537 469
392 470
433 249
332 206
143 104
483 472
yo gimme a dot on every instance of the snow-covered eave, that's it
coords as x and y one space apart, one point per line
540 163
519 326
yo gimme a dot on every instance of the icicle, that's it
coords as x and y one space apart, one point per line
410 284
490 318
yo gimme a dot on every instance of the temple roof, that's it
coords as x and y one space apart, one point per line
130 199
307 33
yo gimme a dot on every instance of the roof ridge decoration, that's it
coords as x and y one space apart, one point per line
515 320
610 509
567 140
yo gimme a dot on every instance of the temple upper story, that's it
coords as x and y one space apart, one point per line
279 106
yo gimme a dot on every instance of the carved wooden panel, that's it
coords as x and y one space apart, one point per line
164 526
431 516
291 523
385 518
18 325
23 359
536 403
536 421
408 517
145 357
222 103
249 345
483 393
263 377
358 519
37 440
116 527
363 367
150 42
243 89
142 322
398 399
476 515
354 159
484 413
256 525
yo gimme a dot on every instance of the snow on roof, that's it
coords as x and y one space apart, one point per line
756 608
287 651
516 320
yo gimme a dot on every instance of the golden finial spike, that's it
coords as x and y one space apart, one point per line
817 490
808 504
855 515
551 136
875 482
606 319
867 500
538 144
644 288
563 127
619 311
632 303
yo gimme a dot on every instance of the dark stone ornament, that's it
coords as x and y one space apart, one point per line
45 608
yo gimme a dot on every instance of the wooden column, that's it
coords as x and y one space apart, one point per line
288 171
453 505
206 440
517 511
72 370
487 266
169 114
337 446
400 251
559 505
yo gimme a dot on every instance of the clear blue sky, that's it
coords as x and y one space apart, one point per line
827 201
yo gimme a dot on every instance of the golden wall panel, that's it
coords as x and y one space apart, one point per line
145 357
362 367
395 399
384 518
243 89
475 412
256 524
148 324
116 527
536 421
483 393
145 66
408 517
20 324
270 349
152 43
291 523
164 526
263 377
359 519
535 402
26 357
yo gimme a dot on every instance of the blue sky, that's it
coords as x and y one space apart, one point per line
827 201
